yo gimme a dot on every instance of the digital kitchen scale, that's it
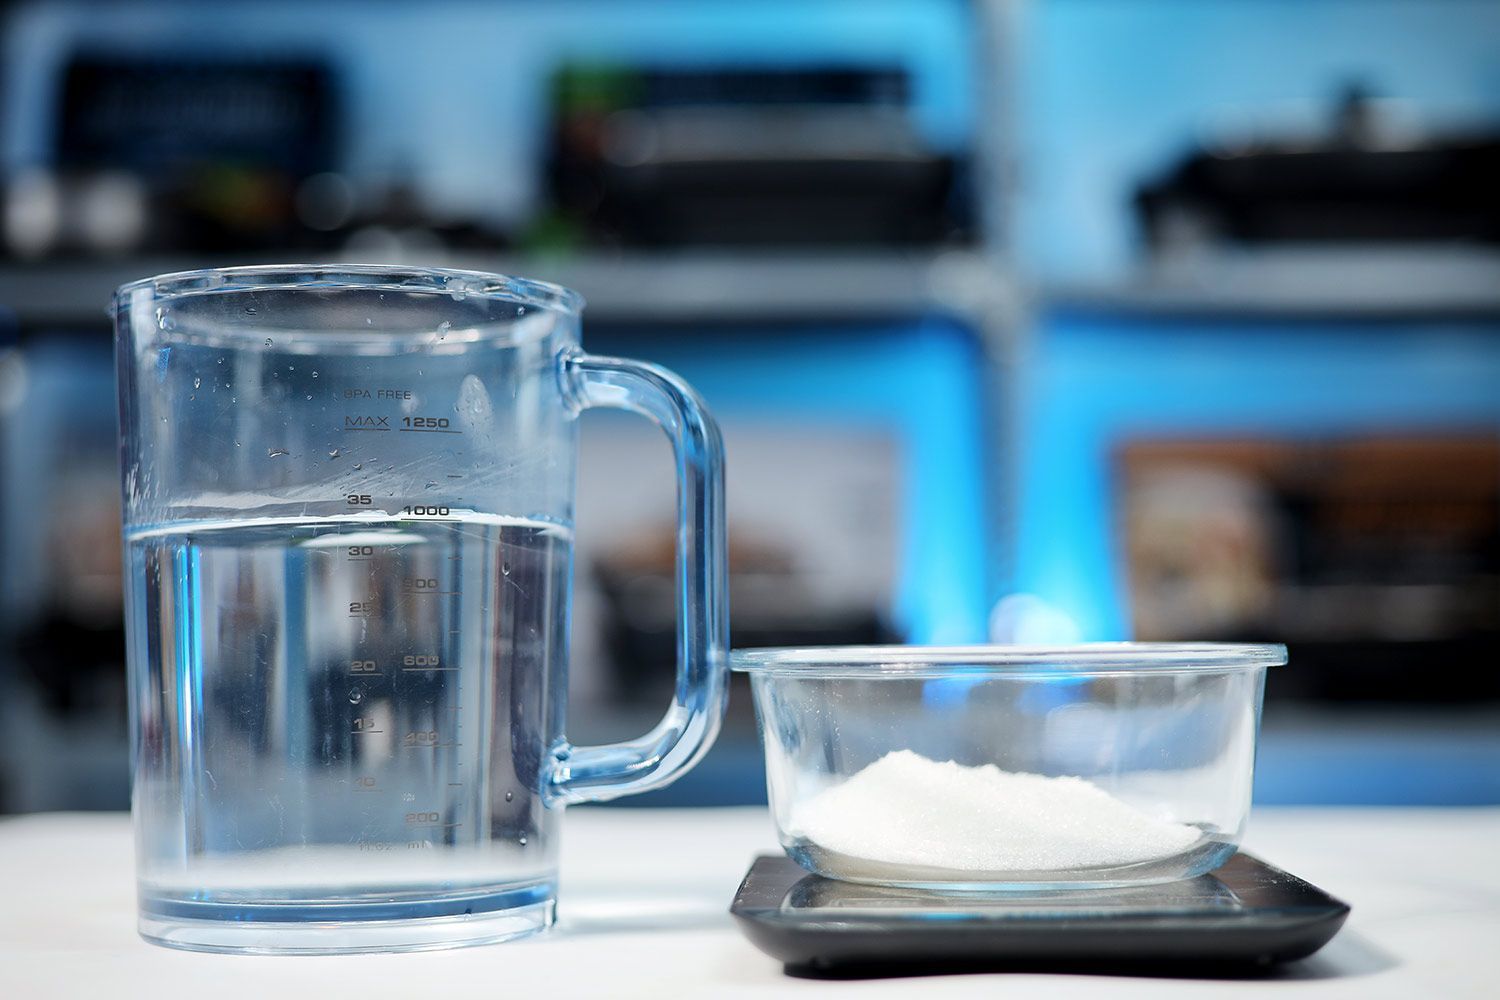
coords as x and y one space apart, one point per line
1244 916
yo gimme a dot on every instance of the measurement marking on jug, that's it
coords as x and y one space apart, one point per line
425 586
420 510
428 819
423 662
427 425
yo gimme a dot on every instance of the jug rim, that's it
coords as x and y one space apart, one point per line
383 277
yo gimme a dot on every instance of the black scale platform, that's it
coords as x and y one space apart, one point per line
1245 916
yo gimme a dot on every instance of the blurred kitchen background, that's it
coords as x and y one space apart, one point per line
1026 321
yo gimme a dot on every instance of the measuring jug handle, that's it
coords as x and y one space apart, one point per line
593 774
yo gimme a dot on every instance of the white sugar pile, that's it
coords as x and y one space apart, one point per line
907 810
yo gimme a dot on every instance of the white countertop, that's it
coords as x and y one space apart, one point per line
643 913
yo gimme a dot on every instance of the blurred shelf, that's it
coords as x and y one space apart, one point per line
1364 283
744 287
694 286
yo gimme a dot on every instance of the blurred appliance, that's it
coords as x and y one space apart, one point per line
856 495
1367 178
224 155
738 155
813 535
775 604
181 153
62 717
1376 558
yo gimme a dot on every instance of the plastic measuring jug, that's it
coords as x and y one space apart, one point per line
348 510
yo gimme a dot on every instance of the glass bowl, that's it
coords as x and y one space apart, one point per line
1010 767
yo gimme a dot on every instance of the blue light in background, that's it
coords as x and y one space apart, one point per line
921 381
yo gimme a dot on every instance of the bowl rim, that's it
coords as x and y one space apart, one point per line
1083 659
